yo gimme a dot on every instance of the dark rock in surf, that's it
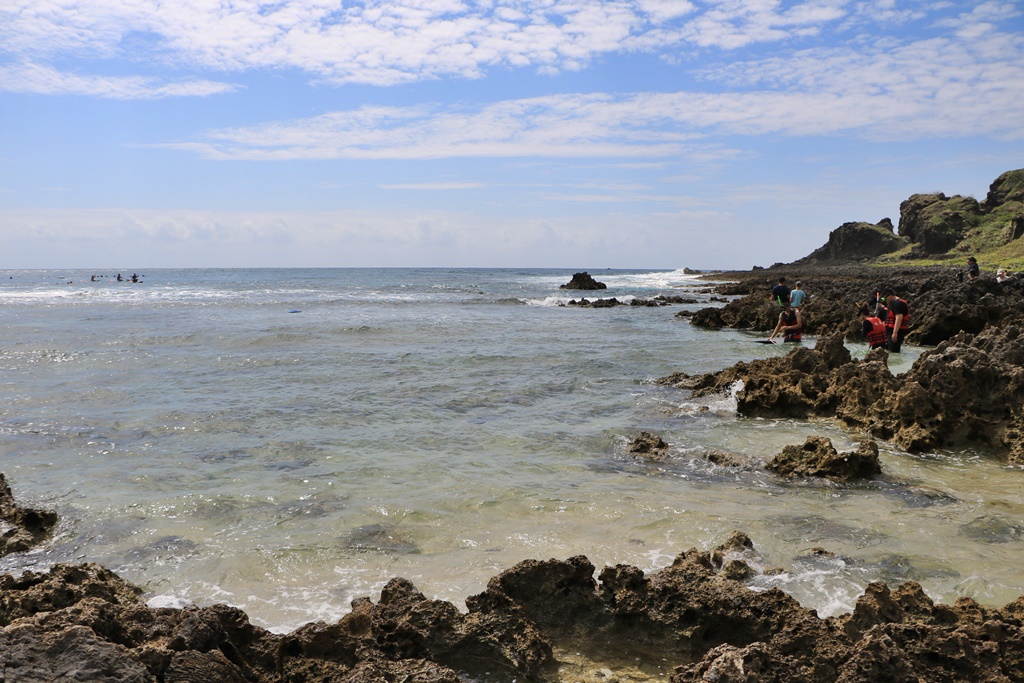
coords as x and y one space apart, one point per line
583 281
21 528
595 303
649 446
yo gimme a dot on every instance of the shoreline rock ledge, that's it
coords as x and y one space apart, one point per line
83 622
21 528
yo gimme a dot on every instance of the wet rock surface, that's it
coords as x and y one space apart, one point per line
83 622
21 527
649 446
817 457
968 391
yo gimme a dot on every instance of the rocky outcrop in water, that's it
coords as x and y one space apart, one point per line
21 528
817 457
583 280
84 622
969 391
648 445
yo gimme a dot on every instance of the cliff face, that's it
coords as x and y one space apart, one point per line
935 226
936 223
856 241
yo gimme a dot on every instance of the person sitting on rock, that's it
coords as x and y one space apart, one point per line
780 293
874 328
1001 275
790 324
972 269
897 321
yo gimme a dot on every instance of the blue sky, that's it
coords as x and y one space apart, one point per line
581 134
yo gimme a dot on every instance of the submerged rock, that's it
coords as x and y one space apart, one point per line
379 538
649 446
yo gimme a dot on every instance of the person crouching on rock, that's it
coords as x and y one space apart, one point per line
897 322
790 324
874 328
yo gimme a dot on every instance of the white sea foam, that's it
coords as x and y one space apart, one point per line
168 601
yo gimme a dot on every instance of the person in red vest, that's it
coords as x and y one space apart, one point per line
874 328
897 322
790 324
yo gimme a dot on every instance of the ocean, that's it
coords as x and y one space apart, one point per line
287 440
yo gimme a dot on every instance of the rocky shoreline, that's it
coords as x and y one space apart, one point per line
84 623
697 616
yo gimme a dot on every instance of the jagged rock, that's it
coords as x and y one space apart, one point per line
967 391
674 299
649 446
583 281
935 222
817 457
85 619
724 459
1005 191
84 622
21 528
856 241
596 303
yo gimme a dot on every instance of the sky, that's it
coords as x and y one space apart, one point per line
497 133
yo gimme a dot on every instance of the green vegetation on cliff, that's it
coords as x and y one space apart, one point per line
944 229
938 230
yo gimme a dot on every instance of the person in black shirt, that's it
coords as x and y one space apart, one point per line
780 293
897 322
972 269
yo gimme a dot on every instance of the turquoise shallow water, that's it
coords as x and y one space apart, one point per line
288 440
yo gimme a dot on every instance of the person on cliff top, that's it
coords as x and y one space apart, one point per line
972 269
874 328
897 321
780 293
798 295
790 324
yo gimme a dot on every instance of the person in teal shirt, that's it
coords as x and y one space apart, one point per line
797 296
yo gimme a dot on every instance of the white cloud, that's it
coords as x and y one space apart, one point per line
385 42
934 88
39 79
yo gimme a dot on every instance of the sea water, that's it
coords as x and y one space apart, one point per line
288 440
